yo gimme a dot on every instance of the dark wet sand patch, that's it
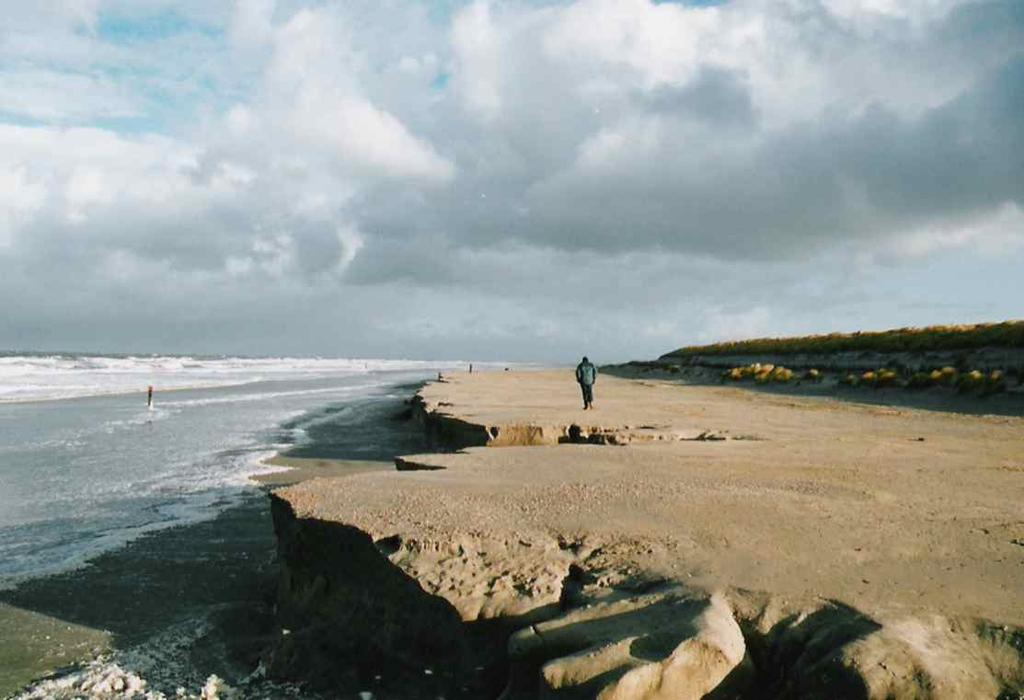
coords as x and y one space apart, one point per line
35 645
197 598
296 469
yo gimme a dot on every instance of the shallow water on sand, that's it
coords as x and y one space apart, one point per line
145 524
81 476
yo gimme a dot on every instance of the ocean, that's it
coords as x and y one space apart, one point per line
92 480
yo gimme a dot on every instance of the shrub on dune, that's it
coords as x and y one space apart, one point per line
923 380
971 381
737 374
987 383
886 377
995 382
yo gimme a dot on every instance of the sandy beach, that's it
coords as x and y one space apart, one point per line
810 547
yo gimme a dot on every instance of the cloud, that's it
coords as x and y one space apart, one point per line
513 177
994 235
476 44
252 23
52 96
674 185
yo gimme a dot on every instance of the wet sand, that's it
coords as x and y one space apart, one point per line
185 602
293 470
35 644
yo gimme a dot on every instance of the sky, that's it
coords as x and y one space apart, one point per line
505 179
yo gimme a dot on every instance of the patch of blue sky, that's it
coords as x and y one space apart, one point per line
174 108
441 11
16 119
692 3
132 126
149 121
440 81
119 28
175 71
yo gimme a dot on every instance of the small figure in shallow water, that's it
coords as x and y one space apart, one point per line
586 377
149 397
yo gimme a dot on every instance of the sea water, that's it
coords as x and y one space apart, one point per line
86 466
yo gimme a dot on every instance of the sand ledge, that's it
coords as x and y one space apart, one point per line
852 552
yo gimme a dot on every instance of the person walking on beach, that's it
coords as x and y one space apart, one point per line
586 376
149 397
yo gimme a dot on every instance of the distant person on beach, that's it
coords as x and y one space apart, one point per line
149 397
586 376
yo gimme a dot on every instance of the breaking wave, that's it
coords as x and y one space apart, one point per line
48 377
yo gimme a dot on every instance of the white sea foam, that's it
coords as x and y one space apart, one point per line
53 377
105 680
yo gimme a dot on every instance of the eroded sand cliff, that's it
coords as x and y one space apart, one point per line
712 543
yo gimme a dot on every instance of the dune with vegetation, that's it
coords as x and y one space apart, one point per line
1008 334
945 366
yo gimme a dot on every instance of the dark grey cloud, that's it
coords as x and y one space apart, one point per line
720 97
805 187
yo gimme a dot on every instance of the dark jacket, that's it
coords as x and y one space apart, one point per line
586 373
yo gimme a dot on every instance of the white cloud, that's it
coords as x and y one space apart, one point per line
20 198
476 42
994 233
312 92
63 97
49 12
79 170
252 22
352 242
659 44
363 137
915 10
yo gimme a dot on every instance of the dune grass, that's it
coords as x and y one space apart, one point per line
1008 334
968 381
